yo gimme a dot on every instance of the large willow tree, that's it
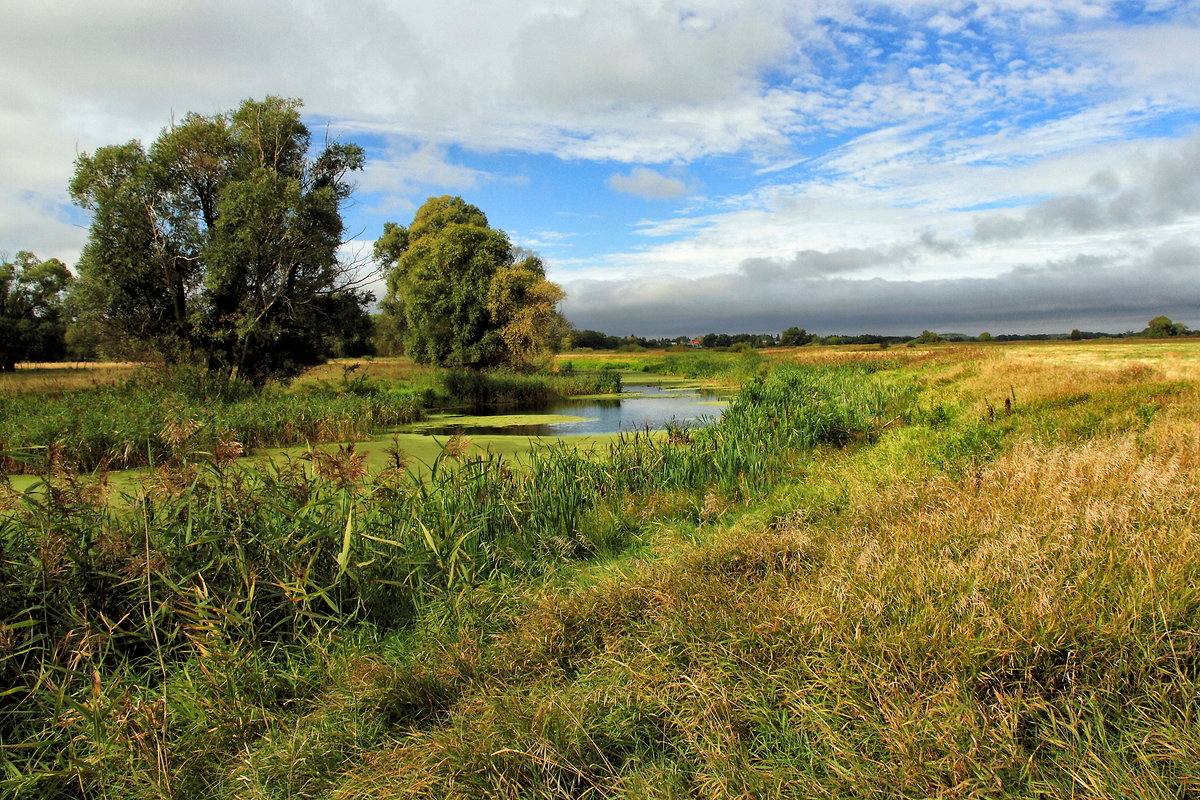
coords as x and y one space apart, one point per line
219 243
460 295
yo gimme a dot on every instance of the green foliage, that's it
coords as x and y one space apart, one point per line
794 337
1162 327
219 244
457 297
32 320
479 388
594 340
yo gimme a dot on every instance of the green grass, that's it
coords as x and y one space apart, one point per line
154 418
870 579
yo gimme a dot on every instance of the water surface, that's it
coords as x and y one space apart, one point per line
639 407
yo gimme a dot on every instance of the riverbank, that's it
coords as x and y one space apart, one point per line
152 417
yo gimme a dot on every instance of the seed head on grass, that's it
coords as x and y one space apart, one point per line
457 445
714 506
343 466
170 481
227 450
397 459
9 497
178 427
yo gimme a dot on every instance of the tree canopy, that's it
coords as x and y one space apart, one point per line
32 322
794 337
460 295
219 243
1162 326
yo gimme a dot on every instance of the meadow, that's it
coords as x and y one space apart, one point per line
948 571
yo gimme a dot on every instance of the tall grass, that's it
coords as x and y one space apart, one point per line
850 586
1027 629
218 572
154 417
480 388
149 421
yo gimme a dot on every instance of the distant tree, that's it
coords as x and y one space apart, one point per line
1163 326
716 340
459 296
524 305
219 244
1076 335
928 337
390 322
984 337
594 340
794 337
349 333
32 322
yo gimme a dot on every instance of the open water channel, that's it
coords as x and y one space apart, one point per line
639 407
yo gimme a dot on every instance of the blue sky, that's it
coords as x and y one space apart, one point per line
686 167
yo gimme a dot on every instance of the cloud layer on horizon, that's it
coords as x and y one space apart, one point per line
1055 295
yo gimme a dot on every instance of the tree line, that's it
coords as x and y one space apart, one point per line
218 246
1159 327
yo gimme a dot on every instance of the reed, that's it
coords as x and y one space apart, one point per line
150 421
486 388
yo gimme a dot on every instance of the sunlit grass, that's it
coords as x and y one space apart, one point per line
878 628
57 378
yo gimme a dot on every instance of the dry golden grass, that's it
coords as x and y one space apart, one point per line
397 368
54 378
1028 626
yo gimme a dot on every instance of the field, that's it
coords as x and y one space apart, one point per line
952 571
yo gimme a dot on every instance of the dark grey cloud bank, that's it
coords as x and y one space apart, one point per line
1160 191
817 264
1090 292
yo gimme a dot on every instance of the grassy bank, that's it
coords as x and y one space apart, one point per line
146 417
875 577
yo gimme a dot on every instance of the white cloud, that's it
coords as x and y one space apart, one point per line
648 184
409 165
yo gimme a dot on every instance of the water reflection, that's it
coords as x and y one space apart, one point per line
637 408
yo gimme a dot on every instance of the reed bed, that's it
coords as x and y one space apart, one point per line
155 417
504 388
215 564
146 422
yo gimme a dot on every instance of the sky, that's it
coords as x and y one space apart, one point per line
1011 166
